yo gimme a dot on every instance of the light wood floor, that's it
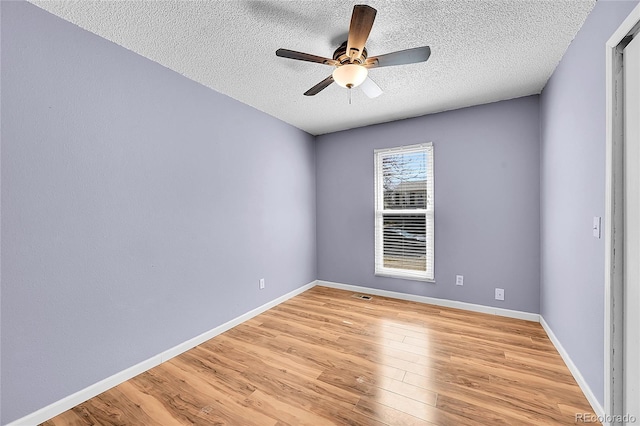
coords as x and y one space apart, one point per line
325 357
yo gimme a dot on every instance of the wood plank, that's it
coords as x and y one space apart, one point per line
402 403
408 390
388 415
326 358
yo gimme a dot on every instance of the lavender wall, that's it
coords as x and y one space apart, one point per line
572 116
139 209
486 203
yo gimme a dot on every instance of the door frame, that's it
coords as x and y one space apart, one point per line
614 232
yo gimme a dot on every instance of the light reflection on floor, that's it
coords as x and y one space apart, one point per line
407 384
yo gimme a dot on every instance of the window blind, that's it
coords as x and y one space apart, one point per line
404 219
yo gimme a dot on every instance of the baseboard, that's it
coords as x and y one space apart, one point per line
597 408
588 393
434 301
89 392
58 407
183 347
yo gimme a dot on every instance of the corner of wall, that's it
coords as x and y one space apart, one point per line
572 176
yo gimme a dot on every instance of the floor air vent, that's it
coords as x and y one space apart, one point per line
362 296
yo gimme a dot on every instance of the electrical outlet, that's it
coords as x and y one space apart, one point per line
261 283
459 279
499 293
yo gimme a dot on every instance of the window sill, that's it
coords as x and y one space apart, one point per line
403 277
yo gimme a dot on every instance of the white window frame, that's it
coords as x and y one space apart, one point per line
380 269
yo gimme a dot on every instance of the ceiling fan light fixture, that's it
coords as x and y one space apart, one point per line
350 75
352 60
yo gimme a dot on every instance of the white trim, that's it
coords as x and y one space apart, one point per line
68 402
58 407
487 310
185 346
380 212
392 273
89 392
588 393
405 148
613 216
627 27
528 316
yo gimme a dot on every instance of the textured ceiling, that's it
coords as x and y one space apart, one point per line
482 50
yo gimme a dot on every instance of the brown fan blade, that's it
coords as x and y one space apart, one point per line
301 56
319 87
402 57
361 23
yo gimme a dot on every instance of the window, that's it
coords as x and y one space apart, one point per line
404 212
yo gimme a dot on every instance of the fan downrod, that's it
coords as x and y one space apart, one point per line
341 56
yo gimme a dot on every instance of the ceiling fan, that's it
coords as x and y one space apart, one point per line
351 59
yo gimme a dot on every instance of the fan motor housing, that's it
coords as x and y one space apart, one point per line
341 56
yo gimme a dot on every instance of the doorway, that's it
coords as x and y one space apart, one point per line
622 227
631 244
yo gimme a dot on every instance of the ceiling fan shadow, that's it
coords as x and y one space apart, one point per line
281 14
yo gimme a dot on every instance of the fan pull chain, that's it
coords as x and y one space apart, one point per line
349 95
